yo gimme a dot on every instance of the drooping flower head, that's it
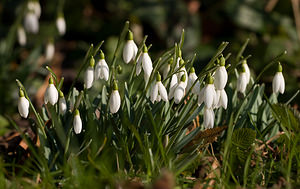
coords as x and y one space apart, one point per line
278 84
144 62
89 74
77 123
61 24
115 99
62 103
102 69
192 79
208 93
158 91
21 36
242 81
50 50
23 105
31 22
180 89
247 71
51 94
182 72
130 49
208 118
221 76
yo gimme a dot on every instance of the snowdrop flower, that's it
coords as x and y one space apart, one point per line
31 22
166 68
247 71
145 63
89 74
130 49
182 72
192 78
208 118
62 103
77 123
216 99
208 93
115 99
220 75
51 94
23 105
50 50
35 7
179 91
61 24
242 81
178 58
278 83
223 100
158 91
102 70
21 36
173 85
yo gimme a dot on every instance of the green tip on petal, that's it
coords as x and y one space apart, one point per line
158 77
92 61
21 93
101 55
243 69
183 78
192 70
210 79
129 35
60 15
244 62
50 80
279 67
119 69
61 94
145 50
115 86
179 53
222 61
181 62
171 61
77 112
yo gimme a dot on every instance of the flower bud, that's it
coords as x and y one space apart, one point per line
23 105
77 123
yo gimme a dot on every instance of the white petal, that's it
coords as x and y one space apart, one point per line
114 101
162 91
223 99
216 99
102 70
201 96
128 51
180 74
62 106
179 92
247 71
207 118
221 78
23 107
31 23
50 50
52 94
173 86
209 94
61 25
89 77
242 82
154 93
147 64
282 84
212 119
139 65
77 124
192 78
21 36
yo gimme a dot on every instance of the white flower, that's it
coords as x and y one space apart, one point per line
35 7
223 100
242 82
192 78
278 83
208 118
221 76
31 22
130 49
173 85
77 123
158 91
51 94
89 74
145 63
23 105
50 50
21 36
208 93
182 72
61 25
102 69
62 103
247 70
115 99
216 99
179 91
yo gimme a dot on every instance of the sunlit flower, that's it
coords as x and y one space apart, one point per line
173 85
182 72
31 22
21 36
61 24
208 118
77 123
158 91
145 63
102 69
223 100
278 83
247 71
23 105
242 81
89 74
62 103
115 99
220 75
208 93
179 91
192 79
35 7
51 94
130 49
50 50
